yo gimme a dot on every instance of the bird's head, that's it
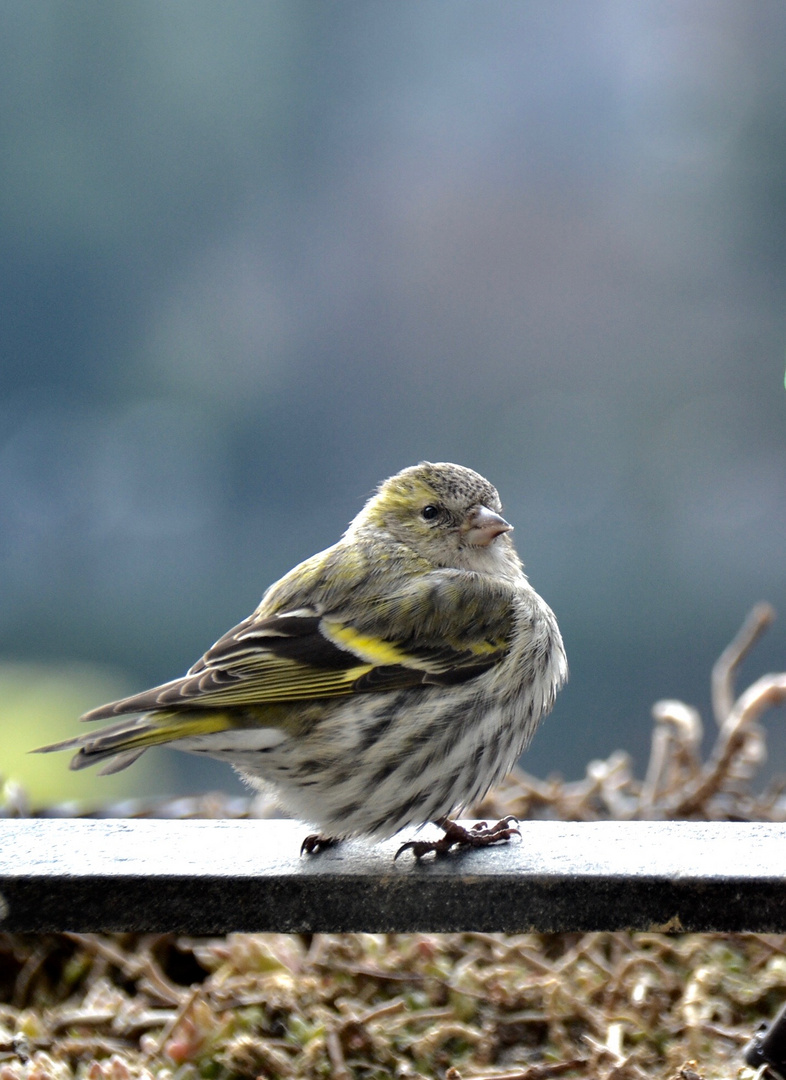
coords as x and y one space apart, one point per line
447 514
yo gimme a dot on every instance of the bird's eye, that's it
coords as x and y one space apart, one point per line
428 513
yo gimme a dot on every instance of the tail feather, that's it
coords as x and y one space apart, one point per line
115 764
123 743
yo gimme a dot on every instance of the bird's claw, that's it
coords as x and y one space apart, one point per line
480 835
315 843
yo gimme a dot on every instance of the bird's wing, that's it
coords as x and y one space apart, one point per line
443 627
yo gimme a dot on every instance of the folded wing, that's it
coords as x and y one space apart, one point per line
444 627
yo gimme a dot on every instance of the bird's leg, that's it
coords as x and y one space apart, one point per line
314 843
480 835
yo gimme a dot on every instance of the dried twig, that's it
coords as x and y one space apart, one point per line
736 730
155 1047
726 665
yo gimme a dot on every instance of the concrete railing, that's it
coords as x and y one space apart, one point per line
216 876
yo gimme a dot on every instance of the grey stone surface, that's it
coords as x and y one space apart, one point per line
211 877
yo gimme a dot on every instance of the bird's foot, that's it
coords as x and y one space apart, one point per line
480 835
315 843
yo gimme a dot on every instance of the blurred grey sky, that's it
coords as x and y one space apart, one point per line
256 256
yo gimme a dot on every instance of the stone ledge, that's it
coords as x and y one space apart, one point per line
217 876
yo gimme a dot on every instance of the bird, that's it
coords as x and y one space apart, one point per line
386 682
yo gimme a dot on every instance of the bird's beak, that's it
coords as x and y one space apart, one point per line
482 525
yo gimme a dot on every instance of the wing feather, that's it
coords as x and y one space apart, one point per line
442 627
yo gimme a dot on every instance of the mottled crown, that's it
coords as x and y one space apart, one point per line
441 479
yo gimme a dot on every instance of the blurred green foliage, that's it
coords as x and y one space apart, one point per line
42 703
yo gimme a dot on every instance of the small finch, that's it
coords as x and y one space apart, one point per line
388 681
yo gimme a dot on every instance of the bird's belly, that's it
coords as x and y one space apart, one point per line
377 763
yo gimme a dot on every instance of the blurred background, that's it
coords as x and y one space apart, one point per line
256 256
